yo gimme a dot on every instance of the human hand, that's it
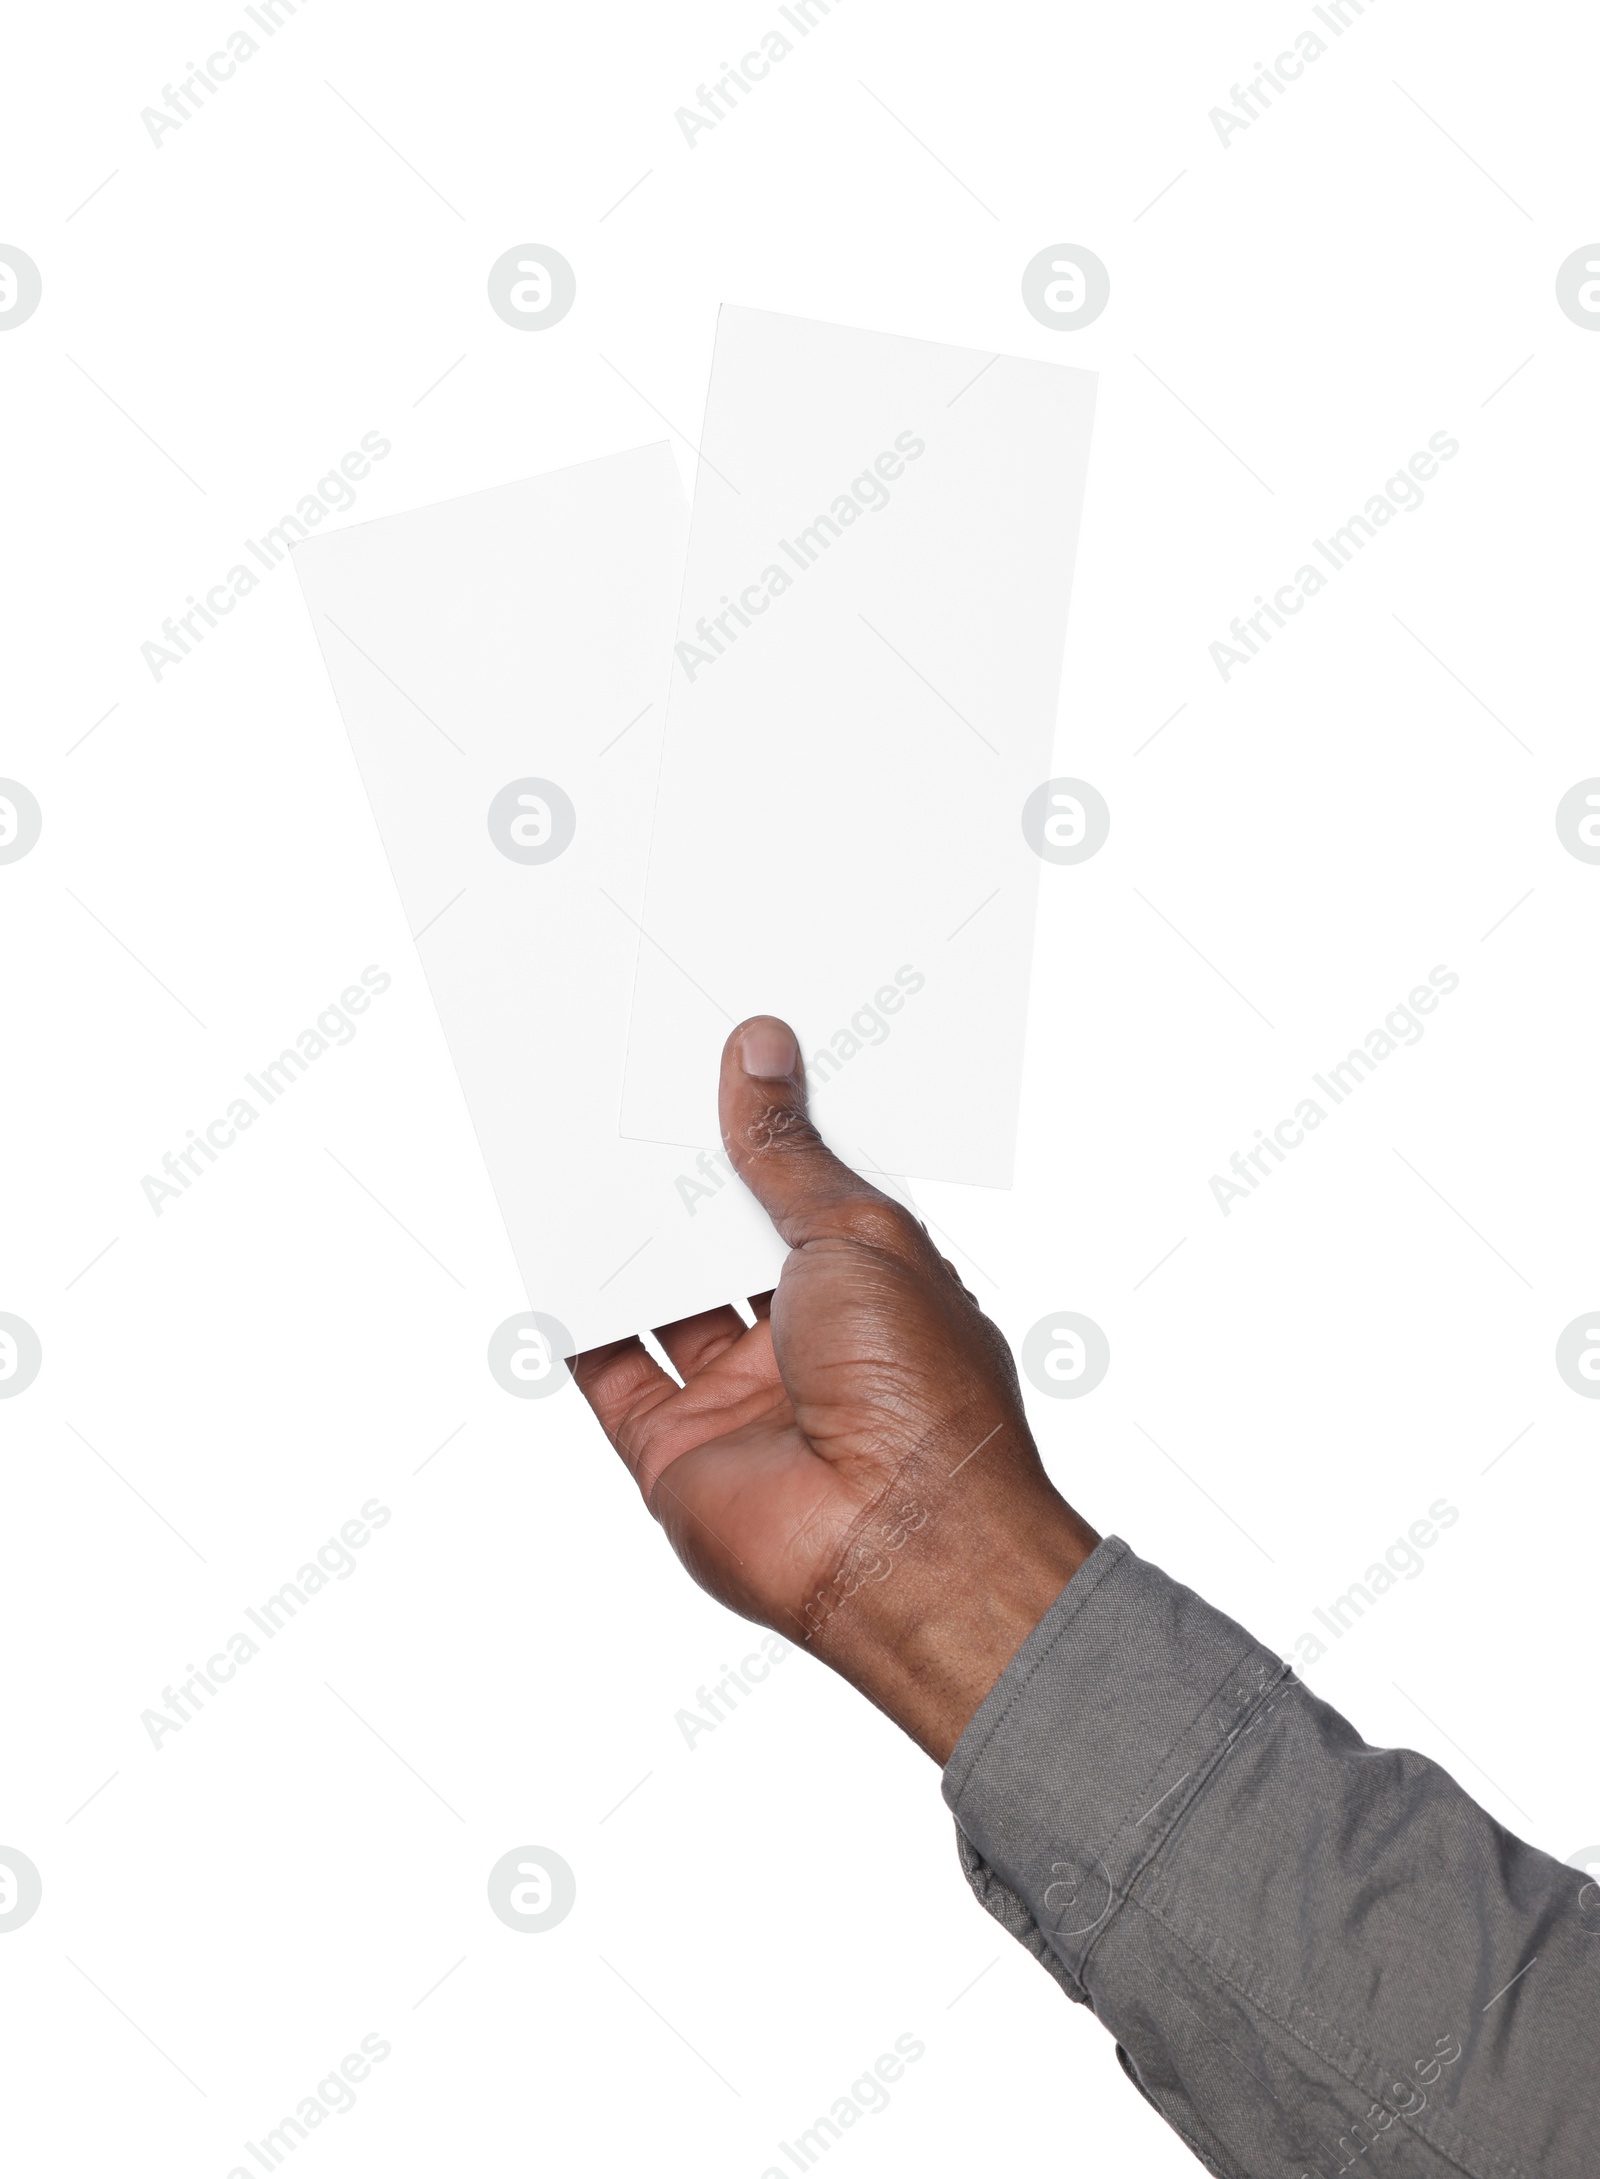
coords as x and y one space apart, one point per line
855 1469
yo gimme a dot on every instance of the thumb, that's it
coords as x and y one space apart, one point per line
804 1189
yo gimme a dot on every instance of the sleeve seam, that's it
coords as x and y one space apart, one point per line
1268 1701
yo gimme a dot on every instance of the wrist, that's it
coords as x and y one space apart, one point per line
932 1603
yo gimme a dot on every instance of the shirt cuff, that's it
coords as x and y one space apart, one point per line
1094 1740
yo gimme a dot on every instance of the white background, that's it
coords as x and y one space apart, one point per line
1293 1387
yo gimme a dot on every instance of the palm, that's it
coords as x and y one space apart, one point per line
783 1433
755 1512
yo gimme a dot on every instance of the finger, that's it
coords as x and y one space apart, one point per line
621 1382
761 1306
694 1341
804 1189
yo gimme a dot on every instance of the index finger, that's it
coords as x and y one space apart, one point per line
623 1383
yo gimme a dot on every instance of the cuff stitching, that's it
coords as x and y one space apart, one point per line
1006 1696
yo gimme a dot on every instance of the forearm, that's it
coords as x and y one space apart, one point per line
1307 1948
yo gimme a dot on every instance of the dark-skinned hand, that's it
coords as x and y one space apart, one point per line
854 1469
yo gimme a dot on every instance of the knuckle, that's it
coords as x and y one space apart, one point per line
876 1222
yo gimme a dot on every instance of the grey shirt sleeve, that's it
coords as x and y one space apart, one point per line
1315 1956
